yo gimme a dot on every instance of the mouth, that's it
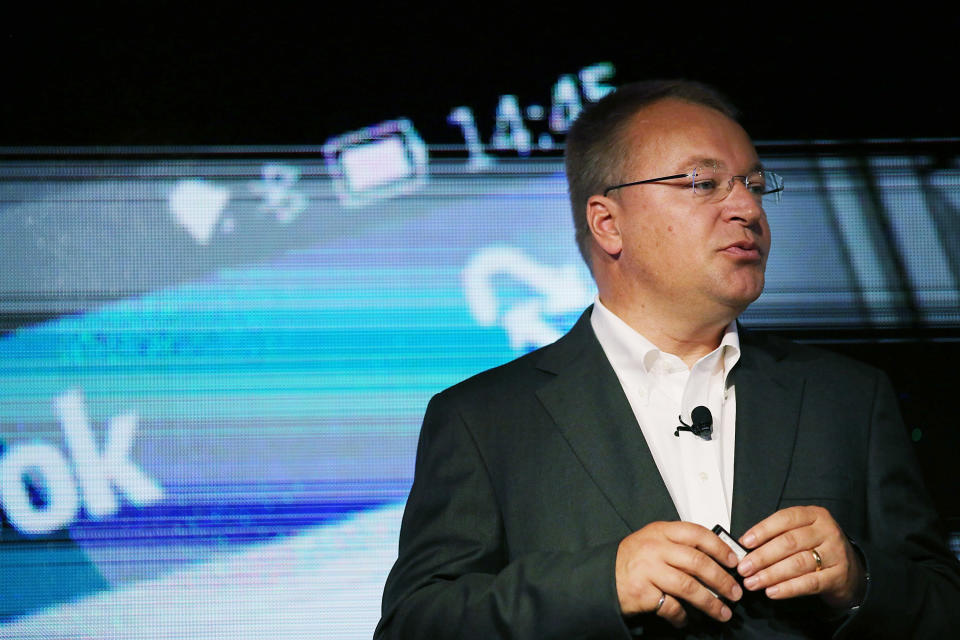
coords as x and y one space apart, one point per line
743 250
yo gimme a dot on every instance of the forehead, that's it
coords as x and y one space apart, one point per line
675 135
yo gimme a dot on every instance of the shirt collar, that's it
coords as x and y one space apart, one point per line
629 350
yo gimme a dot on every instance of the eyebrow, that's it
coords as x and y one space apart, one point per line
696 161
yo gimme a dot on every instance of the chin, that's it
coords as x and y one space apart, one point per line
748 286
745 296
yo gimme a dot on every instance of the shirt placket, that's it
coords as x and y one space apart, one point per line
701 458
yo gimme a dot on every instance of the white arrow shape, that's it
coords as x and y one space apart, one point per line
526 327
561 289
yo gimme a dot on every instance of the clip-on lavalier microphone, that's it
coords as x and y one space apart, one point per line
702 425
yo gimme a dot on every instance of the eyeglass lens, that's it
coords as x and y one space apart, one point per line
713 183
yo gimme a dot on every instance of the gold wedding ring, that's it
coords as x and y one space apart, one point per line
816 556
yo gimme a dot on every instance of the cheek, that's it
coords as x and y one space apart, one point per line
765 230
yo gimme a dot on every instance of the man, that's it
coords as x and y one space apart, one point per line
556 497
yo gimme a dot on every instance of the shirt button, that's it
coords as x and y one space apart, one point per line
703 476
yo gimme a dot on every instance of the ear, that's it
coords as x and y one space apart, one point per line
603 217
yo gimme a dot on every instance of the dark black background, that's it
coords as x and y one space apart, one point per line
298 73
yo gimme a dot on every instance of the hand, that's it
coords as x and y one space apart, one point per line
783 561
679 561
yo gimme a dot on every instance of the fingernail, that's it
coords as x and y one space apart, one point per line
749 540
725 613
732 559
751 582
736 593
746 567
772 591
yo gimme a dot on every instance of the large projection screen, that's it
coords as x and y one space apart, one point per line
214 362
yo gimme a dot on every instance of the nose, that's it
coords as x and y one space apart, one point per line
741 205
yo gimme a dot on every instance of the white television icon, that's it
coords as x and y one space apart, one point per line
381 161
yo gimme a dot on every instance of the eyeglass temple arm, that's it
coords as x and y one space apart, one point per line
630 184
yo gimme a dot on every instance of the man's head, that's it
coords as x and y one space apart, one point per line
597 150
662 245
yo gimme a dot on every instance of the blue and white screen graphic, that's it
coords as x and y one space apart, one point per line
213 368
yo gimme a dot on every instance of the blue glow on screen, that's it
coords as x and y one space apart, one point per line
275 406
258 347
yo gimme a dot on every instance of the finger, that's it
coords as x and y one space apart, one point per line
699 565
693 535
840 580
688 589
786 545
805 585
777 523
798 564
673 612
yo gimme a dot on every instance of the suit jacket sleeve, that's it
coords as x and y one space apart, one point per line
914 588
455 577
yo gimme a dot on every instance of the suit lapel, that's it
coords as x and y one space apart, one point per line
590 409
588 405
769 397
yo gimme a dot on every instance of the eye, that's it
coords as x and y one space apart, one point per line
757 184
706 185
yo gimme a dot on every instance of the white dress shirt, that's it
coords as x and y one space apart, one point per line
698 473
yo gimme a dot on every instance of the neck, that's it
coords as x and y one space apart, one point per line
688 338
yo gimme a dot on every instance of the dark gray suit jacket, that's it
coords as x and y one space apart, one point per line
529 475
